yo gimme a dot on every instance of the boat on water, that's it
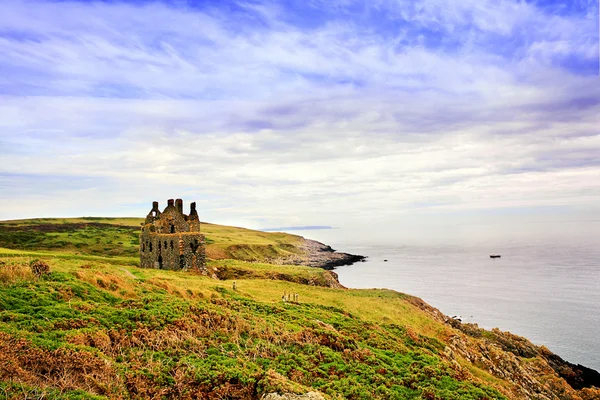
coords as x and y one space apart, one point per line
495 256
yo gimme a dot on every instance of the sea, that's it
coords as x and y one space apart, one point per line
545 286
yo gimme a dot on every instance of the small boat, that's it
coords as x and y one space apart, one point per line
495 256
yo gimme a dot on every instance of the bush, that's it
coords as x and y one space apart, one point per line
39 268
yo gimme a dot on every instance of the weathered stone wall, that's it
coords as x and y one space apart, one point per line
169 241
171 221
193 219
184 250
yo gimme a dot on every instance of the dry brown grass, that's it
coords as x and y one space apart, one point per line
63 369
14 272
191 335
117 284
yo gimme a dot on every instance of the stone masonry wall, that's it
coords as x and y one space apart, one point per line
171 240
184 250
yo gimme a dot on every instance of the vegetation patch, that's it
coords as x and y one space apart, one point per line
235 270
96 326
119 237
68 333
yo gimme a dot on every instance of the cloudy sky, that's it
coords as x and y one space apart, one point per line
300 112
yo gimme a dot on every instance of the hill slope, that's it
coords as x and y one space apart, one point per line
99 327
119 237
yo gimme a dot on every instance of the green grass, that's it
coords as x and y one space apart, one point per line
119 237
102 237
12 390
146 333
99 327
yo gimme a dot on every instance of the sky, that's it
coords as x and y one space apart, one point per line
294 113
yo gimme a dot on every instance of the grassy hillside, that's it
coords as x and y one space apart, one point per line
119 237
99 327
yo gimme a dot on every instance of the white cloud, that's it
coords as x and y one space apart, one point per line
111 105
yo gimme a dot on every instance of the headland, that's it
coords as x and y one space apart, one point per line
96 326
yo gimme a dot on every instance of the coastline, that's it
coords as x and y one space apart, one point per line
319 255
577 376
361 327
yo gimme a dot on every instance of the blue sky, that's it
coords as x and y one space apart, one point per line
272 113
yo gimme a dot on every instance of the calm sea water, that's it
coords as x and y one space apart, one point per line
545 287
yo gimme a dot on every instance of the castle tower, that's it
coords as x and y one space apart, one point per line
171 239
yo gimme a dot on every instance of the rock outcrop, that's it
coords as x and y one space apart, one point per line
317 254
533 372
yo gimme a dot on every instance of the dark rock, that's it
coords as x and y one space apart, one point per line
576 375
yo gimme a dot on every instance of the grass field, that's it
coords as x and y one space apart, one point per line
98 327
119 237
147 333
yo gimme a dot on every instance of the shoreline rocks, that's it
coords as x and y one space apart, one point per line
535 370
319 255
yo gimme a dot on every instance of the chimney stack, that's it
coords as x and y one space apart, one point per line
170 202
193 219
179 205
155 206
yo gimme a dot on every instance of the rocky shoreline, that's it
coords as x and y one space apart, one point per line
581 382
578 377
533 369
319 255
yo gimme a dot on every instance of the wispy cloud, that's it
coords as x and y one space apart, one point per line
298 112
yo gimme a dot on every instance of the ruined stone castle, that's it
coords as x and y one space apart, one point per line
171 239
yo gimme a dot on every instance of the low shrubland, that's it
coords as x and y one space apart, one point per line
93 329
94 326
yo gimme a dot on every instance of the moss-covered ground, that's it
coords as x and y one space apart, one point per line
99 329
97 326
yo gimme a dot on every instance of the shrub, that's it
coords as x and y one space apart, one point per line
39 268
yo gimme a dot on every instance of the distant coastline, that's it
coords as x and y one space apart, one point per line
298 228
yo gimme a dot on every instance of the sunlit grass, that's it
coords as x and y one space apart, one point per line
255 338
119 237
143 333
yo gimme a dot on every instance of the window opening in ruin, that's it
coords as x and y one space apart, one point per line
165 245
143 247
150 246
181 261
160 262
171 245
172 228
159 246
